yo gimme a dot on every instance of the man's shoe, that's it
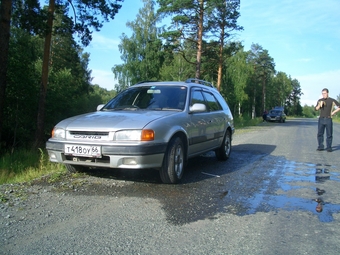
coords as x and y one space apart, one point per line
329 149
319 149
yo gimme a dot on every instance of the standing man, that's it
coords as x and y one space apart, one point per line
325 105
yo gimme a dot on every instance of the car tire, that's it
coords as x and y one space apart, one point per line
173 163
74 168
223 152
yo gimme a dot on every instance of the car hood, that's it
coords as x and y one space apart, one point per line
113 120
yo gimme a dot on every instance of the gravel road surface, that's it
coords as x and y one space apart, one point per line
275 195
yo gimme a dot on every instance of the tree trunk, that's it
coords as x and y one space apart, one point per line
220 61
253 112
264 93
199 41
5 25
39 137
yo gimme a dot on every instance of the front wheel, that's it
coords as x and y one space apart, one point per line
223 152
173 162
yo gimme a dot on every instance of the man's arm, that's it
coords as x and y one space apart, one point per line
335 111
319 105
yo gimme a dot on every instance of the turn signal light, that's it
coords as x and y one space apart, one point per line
148 135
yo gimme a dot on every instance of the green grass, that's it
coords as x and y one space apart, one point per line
241 122
27 165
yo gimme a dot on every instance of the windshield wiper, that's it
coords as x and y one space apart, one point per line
125 107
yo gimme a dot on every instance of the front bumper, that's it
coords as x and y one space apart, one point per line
134 157
273 118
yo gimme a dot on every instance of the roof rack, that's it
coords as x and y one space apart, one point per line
200 82
145 81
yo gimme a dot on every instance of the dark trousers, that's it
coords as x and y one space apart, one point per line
325 123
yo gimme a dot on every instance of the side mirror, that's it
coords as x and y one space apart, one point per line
99 107
198 108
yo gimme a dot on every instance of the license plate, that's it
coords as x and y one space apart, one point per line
83 150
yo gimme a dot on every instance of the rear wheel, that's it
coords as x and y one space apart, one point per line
74 168
173 162
223 152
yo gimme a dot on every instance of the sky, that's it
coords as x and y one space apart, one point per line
302 36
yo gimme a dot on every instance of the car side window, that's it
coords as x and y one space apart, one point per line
213 104
196 97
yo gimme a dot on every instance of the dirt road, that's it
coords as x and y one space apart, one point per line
276 195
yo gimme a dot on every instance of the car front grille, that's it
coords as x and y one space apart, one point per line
89 133
88 136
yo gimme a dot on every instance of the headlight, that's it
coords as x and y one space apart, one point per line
128 135
134 135
58 133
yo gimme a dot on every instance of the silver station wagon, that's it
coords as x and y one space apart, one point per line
149 125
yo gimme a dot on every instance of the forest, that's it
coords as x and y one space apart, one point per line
44 74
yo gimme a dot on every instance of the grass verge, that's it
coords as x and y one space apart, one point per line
241 122
26 165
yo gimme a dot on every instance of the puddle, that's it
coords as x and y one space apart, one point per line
301 186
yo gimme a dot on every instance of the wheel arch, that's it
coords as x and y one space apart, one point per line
185 141
231 132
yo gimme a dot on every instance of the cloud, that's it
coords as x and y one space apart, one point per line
100 42
312 84
104 79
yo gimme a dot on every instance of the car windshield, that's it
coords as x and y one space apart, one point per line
275 112
149 97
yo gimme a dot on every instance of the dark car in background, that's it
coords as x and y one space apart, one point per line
277 115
